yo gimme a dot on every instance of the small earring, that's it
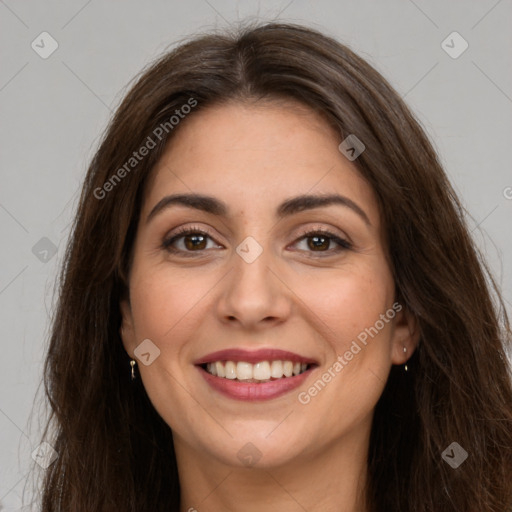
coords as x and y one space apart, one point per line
405 367
132 364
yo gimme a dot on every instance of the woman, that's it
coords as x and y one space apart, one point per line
271 300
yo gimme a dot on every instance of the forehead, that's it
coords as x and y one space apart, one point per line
253 156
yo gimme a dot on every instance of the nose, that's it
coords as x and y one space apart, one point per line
255 295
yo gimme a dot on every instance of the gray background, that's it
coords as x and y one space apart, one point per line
53 111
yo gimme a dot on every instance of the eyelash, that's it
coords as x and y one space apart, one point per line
181 233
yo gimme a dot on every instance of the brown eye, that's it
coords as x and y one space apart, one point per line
188 240
317 242
320 241
194 242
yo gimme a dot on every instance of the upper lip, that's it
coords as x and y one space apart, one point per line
254 356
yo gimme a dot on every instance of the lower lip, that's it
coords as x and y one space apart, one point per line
251 391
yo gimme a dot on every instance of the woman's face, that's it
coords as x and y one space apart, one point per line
264 269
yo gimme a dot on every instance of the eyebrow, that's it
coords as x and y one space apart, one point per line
289 207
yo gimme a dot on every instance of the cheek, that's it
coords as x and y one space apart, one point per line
348 302
162 302
166 305
359 347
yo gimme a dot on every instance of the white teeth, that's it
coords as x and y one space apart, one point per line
219 367
230 369
262 371
276 369
243 370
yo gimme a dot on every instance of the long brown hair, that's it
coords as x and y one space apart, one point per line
116 453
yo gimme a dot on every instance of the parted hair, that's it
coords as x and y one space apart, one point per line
116 453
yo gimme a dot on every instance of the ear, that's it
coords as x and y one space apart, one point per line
406 334
127 330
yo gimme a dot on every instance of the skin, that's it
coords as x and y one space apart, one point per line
253 156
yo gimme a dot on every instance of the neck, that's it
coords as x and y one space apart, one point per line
329 480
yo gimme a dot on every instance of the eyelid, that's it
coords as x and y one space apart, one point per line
321 228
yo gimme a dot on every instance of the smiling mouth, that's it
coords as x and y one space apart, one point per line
263 371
